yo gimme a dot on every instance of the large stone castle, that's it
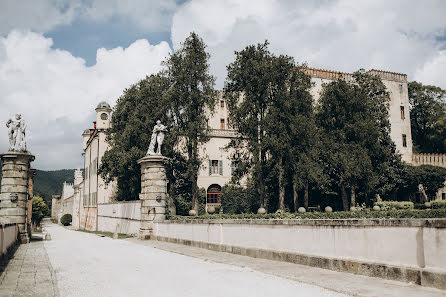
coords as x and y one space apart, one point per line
217 170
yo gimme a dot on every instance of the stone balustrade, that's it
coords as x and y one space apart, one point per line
429 159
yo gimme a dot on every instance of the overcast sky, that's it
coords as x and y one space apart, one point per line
59 58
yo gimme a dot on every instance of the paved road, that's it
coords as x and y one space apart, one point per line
29 273
89 265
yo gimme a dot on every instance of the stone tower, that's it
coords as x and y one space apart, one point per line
103 112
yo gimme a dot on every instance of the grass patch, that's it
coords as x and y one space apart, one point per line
105 233
361 214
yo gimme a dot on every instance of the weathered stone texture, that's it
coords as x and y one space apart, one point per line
153 193
14 190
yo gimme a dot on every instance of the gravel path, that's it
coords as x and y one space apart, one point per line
89 265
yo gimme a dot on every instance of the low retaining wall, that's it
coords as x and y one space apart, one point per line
125 214
411 250
8 237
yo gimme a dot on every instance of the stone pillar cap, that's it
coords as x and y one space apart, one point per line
152 158
14 154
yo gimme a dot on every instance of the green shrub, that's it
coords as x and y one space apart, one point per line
420 206
390 205
314 208
236 199
362 214
438 204
66 219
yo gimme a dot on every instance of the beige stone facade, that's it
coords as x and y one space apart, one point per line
396 84
92 190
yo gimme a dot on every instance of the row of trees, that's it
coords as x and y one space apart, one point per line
341 146
337 151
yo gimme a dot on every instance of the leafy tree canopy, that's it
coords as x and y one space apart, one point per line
189 96
134 115
427 117
39 210
358 150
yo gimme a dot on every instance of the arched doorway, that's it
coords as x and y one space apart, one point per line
213 195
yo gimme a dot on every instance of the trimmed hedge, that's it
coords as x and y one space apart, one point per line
362 214
66 219
389 205
438 204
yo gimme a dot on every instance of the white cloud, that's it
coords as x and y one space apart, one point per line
38 15
433 71
57 93
45 15
342 35
149 15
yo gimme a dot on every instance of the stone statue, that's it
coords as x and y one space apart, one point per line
22 132
157 137
16 127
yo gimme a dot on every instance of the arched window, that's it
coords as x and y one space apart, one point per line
213 194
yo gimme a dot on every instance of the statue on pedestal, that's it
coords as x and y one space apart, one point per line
157 137
16 127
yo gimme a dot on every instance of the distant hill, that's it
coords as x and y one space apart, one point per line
48 183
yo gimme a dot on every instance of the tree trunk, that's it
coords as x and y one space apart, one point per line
194 194
306 196
281 186
261 189
344 197
353 197
295 197
171 202
192 151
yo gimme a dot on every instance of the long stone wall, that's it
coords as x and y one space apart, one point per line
412 250
125 215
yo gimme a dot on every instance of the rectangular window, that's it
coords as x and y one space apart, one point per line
403 116
222 103
401 88
443 196
215 167
404 140
94 199
222 124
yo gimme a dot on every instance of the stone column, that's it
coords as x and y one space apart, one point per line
14 190
153 193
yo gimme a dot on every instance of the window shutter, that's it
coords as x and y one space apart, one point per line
220 166
210 167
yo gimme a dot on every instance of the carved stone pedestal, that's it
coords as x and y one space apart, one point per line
153 193
14 192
